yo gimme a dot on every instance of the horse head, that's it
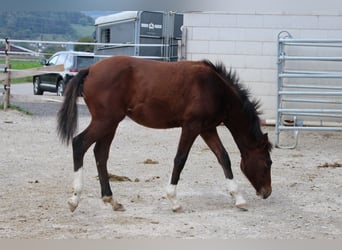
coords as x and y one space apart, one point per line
256 165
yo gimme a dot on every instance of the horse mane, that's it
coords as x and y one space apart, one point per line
249 107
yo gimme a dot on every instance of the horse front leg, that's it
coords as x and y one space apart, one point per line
213 141
188 137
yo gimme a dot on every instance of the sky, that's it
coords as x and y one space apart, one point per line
176 5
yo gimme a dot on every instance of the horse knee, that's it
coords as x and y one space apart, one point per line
100 153
180 160
179 163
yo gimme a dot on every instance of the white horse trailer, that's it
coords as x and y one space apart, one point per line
146 34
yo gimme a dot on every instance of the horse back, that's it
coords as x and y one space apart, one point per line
155 94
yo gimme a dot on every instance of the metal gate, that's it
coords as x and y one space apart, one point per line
309 86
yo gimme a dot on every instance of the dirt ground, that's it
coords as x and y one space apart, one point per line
36 174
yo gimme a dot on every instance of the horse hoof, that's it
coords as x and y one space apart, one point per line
72 206
177 209
119 207
242 207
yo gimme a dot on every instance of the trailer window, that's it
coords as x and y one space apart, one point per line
105 36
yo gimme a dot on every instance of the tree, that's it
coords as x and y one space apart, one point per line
87 48
34 24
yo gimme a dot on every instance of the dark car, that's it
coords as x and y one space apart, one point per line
73 61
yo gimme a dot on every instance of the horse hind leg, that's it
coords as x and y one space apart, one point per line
79 150
80 144
213 141
101 152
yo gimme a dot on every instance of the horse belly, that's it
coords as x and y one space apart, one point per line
153 115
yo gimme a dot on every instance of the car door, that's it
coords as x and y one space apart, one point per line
47 80
60 61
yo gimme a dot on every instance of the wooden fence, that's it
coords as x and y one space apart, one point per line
7 74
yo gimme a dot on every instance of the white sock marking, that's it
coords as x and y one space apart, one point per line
234 191
78 181
172 196
77 189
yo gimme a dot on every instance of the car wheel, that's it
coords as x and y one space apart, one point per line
36 86
60 87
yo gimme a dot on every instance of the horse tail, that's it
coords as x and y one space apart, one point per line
68 113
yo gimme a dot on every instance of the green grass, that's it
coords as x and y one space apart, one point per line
22 64
16 107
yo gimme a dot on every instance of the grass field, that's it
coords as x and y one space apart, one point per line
22 64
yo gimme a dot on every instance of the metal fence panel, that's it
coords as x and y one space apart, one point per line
309 86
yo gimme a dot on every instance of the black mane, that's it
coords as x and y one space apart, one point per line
249 107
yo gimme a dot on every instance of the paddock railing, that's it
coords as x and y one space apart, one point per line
6 73
309 86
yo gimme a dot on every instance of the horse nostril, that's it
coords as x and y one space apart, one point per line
265 192
265 196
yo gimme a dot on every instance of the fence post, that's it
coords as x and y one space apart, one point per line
182 45
7 86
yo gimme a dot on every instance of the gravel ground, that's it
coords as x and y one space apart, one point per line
36 176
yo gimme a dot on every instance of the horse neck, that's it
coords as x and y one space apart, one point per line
239 127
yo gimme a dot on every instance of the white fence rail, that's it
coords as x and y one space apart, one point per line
6 73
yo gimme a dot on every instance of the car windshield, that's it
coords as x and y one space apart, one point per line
84 61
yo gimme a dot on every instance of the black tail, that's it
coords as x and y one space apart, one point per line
67 115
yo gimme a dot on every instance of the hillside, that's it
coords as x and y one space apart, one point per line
38 25
97 13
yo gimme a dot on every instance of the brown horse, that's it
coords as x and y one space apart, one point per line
196 96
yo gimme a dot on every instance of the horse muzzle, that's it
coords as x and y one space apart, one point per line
264 192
